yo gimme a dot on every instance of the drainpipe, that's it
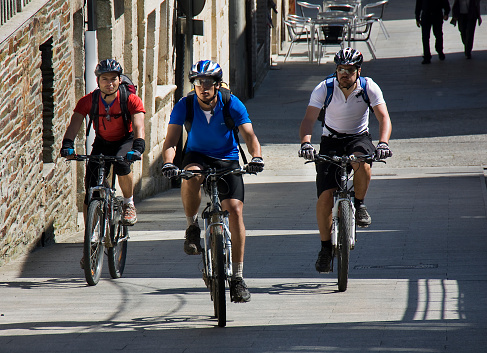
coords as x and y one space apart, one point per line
91 60
238 47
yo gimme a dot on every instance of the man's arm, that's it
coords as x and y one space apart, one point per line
385 125
138 125
172 138
309 120
253 145
74 126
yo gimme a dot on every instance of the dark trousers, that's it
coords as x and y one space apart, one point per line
466 26
437 24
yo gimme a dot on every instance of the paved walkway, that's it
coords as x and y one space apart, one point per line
417 276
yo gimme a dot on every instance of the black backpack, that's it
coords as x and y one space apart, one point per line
126 88
226 95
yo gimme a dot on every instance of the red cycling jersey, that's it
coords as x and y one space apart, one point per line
110 121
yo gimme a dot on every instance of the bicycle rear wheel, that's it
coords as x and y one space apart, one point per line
93 242
219 277
118 252
343 246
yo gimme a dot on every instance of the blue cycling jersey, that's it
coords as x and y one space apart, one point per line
213 138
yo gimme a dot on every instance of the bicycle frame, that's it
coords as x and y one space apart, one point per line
343 193
214 216
217 240
103 226
107 196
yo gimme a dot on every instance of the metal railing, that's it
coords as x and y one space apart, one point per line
9 8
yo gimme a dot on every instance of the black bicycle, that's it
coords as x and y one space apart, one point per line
217 254
343 225
104 227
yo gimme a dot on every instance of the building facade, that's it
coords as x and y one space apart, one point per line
44 66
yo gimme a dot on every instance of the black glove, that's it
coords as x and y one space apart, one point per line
67 148
256 165
138 147
133 156
307 151
169 170
383 151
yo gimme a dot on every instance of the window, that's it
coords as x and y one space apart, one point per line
47 101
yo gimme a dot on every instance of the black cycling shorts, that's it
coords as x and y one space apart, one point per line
327 174
108 148
230 186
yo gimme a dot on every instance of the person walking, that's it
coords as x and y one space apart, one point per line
211 144
345 131
467 14
430 14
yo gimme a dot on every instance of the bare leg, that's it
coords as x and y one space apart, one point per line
237 227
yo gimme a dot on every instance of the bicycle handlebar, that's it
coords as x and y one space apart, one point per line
188 174
99 158
321 158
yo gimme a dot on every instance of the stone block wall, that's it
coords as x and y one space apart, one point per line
37 193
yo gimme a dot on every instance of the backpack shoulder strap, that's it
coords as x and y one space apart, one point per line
124 96
229 122
330 85
363 84
95 98
226 95
188 121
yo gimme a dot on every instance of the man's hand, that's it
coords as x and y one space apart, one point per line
256 165
418 23
307 151
67 148
169 170
133 155
383 151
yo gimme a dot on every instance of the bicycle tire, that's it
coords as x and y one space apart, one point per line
219 276
343 254
93 243
118 252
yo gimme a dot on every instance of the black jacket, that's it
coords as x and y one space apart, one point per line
431 9
473 9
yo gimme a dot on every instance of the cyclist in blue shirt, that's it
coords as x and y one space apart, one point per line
211 144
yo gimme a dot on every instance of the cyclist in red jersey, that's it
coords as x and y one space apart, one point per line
113 136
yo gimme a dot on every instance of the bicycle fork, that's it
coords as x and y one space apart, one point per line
222 221
336 220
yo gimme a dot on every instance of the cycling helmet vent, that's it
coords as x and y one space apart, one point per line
349 56
108 65
206 68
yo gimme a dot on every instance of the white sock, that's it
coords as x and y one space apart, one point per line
237 269
128 200
192 220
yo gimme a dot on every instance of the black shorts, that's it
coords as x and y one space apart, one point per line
230 186
108 148
327 174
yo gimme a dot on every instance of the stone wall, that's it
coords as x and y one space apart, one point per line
38 196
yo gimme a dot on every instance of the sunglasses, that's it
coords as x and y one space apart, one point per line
204 82
341 70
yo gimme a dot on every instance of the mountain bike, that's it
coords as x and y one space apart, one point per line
104 227
343 213
217 255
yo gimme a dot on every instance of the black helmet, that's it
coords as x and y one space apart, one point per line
206 68
349 56
108 65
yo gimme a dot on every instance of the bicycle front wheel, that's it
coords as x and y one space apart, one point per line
343 246
93 242
219 276
118 252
